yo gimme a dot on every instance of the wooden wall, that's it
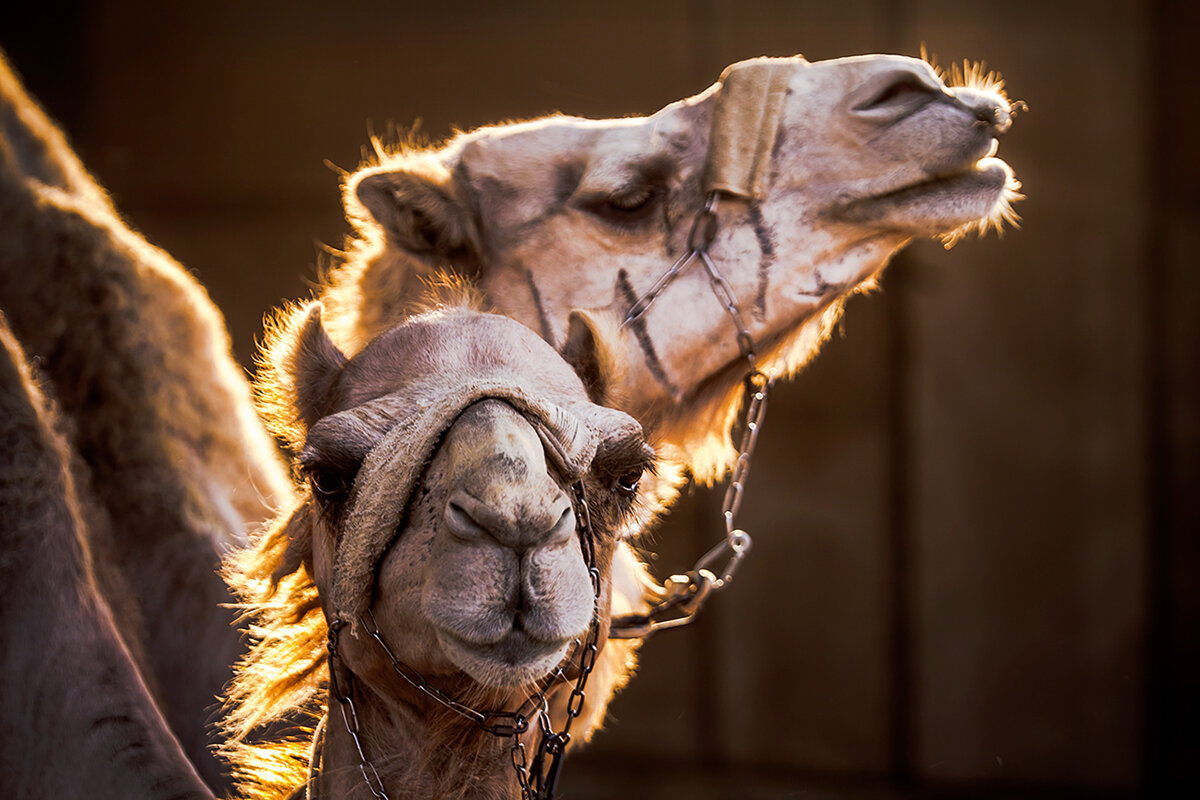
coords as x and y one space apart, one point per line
976 563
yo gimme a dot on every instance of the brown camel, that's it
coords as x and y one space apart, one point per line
441 465
78 718
173 467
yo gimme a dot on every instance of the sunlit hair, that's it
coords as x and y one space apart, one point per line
277 693
976 75
275 698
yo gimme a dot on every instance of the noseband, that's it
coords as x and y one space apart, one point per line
537 777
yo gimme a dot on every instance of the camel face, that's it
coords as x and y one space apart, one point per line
443 458
849 160
892 150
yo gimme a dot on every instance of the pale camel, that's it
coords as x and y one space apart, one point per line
440 465
823 170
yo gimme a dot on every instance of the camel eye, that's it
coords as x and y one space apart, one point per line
628 483
328 484
631 202
627 206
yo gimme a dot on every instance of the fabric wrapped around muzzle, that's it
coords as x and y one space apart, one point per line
746 122
418 417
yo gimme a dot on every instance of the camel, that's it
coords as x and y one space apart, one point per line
806 177
460 482
172 466
471 513
823 171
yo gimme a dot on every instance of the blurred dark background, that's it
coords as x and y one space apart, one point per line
976 559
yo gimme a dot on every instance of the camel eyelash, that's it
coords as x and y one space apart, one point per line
625 466
628 207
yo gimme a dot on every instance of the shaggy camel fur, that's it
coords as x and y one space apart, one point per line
439 461
172 465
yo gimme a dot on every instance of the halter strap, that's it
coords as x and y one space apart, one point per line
746 123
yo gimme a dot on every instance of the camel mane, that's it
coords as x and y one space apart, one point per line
275 698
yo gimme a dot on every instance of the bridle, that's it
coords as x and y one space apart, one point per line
682 595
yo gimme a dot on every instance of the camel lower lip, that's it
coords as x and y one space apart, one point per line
515 659
985 178
988 174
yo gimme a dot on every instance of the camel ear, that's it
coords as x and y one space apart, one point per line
586 350
315 364
420 210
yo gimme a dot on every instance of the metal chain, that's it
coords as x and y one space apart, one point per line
702 234
684 594
538 780
345 702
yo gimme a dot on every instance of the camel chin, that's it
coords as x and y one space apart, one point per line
507 620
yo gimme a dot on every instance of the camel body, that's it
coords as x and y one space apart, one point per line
169 464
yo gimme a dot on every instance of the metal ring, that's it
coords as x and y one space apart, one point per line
740 541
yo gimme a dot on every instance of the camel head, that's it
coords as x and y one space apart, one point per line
823 171
441 459
441 468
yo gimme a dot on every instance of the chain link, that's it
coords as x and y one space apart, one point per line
345 701
683 595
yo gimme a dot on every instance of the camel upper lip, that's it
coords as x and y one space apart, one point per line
967 168
938 179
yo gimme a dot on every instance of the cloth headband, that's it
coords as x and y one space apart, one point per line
746 124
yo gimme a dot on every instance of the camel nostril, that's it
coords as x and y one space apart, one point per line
897 95
995 118
461 523
564 528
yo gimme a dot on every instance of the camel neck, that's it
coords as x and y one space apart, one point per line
418 753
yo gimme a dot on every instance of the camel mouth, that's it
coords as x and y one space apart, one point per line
989 173
517 659
979 194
